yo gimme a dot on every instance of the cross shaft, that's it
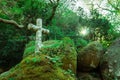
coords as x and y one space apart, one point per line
38 28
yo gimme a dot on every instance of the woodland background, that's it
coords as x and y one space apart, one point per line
62 18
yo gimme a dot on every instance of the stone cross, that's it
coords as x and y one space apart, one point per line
38 28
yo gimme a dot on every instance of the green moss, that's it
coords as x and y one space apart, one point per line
30 48
31 43
68 42
54 58
40 69
29 51
64 50
52 44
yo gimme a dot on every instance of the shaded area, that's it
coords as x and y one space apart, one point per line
12 42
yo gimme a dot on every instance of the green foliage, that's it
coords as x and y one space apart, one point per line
50 47
67 42
33 60
98 26
12 43
25 10
11 79
31 43
31 6
30 48
64 23
70 72
56 60
81 42
106 44
43 69
52 44
16 10
56 32
59 51
114 32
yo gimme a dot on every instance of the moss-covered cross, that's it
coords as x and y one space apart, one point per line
38 28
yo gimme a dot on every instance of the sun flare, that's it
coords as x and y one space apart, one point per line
84 31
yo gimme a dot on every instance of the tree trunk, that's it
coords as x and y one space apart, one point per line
48 21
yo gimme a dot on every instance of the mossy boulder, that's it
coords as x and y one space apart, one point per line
38 67
56 61
89 57
63 49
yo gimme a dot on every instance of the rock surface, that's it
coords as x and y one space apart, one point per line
88 76
63 48
110 63
56 61
89 57
37 67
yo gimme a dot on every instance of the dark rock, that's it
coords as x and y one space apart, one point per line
87 76
110 63
89 57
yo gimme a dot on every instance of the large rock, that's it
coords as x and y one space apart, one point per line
63 49
38 67
89 57
110 63
56 61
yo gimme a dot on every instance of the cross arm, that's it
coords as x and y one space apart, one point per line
46 31
31 26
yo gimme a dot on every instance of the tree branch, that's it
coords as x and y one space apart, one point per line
106 8
11 22
54 8
115 7
51 1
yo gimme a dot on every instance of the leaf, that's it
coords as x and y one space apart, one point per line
11 79
16 10
34 60
27 4
4 3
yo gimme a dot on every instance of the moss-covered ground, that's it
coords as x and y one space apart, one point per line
56 61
